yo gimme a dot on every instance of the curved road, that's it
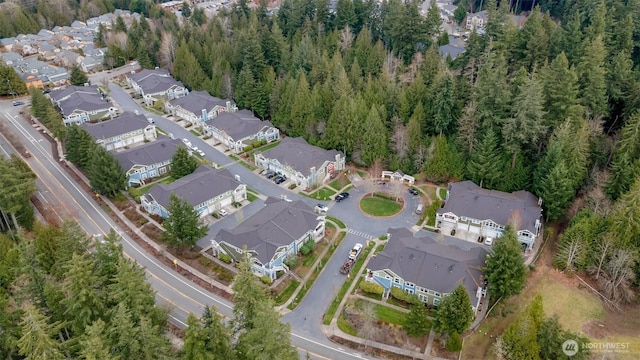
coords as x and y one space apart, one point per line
173 291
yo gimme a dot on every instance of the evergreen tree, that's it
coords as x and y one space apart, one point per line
556 190
257 325
505 266
625 166
17 185
93 344
492 92
454 313
592 71
83 301
37 340
625 218
417 322
526 127
182 163
484 166
443 107
445 162
183 226
374 138
521 336
194 341
105 173
561 92
78 77
79 146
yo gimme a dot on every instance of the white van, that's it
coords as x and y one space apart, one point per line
419 209
488 240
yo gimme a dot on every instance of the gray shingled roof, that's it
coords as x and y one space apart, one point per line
298 154
239 124
123 124
451 51
56 95
148 154
155 81
277 224
195 101
429 264
83 102
203 184
469 200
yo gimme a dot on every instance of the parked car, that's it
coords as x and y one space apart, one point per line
186 142
200 152
223 212
321 208
342 196
488 241
150 120
413 191
280 179
195 148
270 174
18 103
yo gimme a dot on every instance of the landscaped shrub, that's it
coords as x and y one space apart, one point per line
401 295
291 261
247 148
263 142
225 258
265 279
307 247
454 343
371 288
255 143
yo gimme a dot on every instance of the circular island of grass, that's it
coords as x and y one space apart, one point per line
380 205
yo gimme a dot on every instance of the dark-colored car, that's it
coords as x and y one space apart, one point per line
18 103
413 191
342 196
270 174
280 179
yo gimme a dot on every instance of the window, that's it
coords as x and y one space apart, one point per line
408 284
409 291
163 170
436 301
437 294
397 280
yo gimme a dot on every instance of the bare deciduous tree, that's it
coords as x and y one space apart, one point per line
500 349
400 139
468 127
397 188
616 277
369 328
120 39
168 46
605 247
346 38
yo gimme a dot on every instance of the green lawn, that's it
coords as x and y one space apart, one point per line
389 315
443 194
340 224
431 212
136 192
323 194
340 182
264 148
377 206
286 293
379 248
195 132
344 325
252 195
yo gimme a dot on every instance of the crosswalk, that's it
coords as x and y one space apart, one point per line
360 233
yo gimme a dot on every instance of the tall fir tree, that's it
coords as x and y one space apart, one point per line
183 226
454 313
505 266
105 173
182 163
485 163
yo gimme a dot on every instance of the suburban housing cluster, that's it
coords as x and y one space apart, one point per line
434 264
42 59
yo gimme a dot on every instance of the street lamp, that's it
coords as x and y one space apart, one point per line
11 88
